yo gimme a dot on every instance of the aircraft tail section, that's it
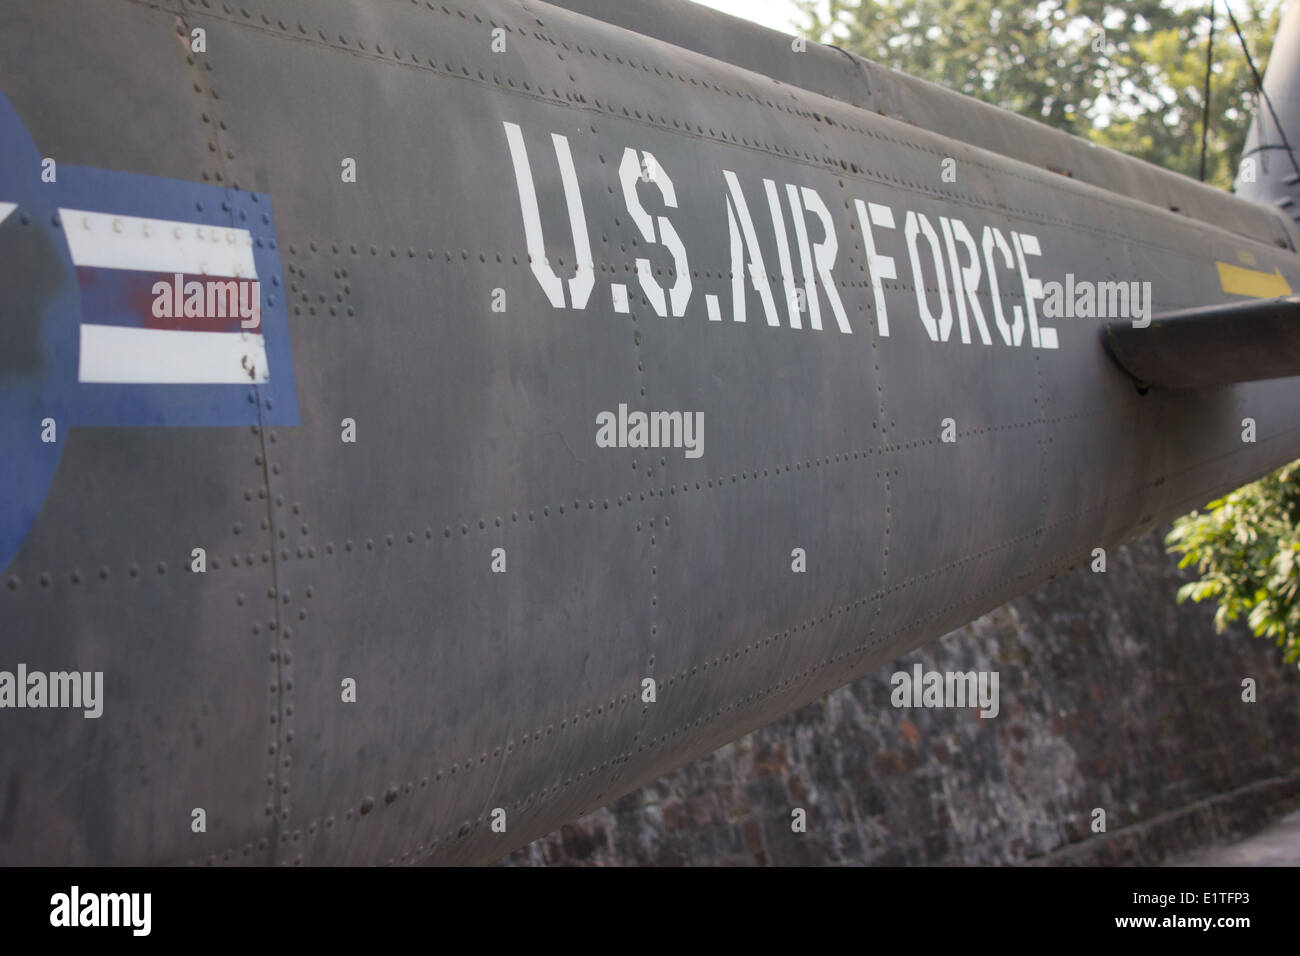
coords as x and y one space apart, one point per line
1270 165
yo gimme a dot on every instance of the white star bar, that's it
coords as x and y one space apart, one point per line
157 245
111 353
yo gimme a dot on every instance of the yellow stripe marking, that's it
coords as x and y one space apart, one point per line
1260 285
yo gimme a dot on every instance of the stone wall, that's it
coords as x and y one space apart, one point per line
1111 696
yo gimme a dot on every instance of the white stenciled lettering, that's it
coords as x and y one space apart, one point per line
805 258
824 253
793 300
740 228
947 269
1011 334
965 279
581 284
631 172
917 224
1027 245
878 266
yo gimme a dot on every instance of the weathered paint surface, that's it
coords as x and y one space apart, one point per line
476 429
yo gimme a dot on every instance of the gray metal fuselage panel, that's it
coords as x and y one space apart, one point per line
476 430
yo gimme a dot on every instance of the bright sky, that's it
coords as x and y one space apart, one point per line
777 14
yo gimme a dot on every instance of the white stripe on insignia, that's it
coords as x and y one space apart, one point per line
106 241
5 209
114 353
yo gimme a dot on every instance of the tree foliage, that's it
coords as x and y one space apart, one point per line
1130 76
1126 75
1246 546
